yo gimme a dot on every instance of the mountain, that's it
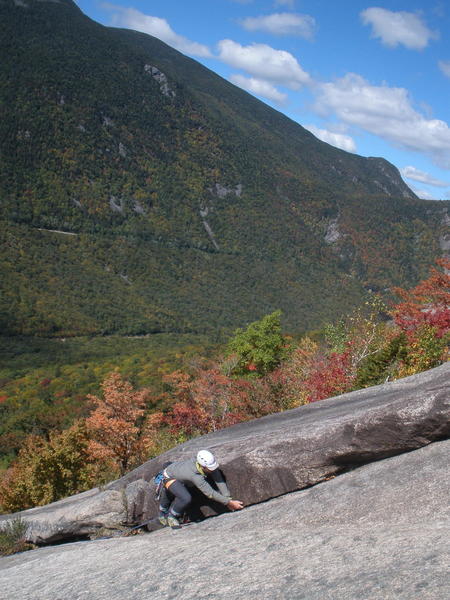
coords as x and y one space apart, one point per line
140 192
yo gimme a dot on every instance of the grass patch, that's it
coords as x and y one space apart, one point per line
13 537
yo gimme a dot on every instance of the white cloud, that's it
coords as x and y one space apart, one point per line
417 175
130 18
259 88
264 62
444 66
423 194
386 112
345 142
282 24
394 28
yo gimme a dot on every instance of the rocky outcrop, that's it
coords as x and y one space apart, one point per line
274 455
378 532
161 78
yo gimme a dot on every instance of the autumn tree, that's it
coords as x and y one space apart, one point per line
121 435
424 316
426 304
185 416
330 369
296 369
47 470
205 401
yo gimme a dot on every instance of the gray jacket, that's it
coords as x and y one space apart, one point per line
190 473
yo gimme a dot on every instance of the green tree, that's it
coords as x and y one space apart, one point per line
258 349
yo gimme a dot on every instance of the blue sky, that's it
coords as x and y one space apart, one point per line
371 78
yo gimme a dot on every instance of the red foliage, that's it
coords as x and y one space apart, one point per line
426 304
205 402
187 418
332 375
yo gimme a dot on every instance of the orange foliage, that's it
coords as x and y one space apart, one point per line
120 434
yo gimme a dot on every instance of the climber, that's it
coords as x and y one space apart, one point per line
179 476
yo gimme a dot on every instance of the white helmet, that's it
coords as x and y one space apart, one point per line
205 458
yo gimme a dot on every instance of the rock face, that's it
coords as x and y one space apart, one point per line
274 455
378 532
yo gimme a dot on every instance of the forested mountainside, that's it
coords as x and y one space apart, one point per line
140 192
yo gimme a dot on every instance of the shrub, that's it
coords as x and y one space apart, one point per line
425 351
383 364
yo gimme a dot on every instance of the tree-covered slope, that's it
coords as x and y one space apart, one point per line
194 205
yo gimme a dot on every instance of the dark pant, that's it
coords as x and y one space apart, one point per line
177 497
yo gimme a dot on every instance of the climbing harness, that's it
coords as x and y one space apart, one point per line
162 480
159 482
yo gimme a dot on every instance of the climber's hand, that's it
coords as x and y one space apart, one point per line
235 505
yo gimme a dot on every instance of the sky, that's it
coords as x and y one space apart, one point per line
370 78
